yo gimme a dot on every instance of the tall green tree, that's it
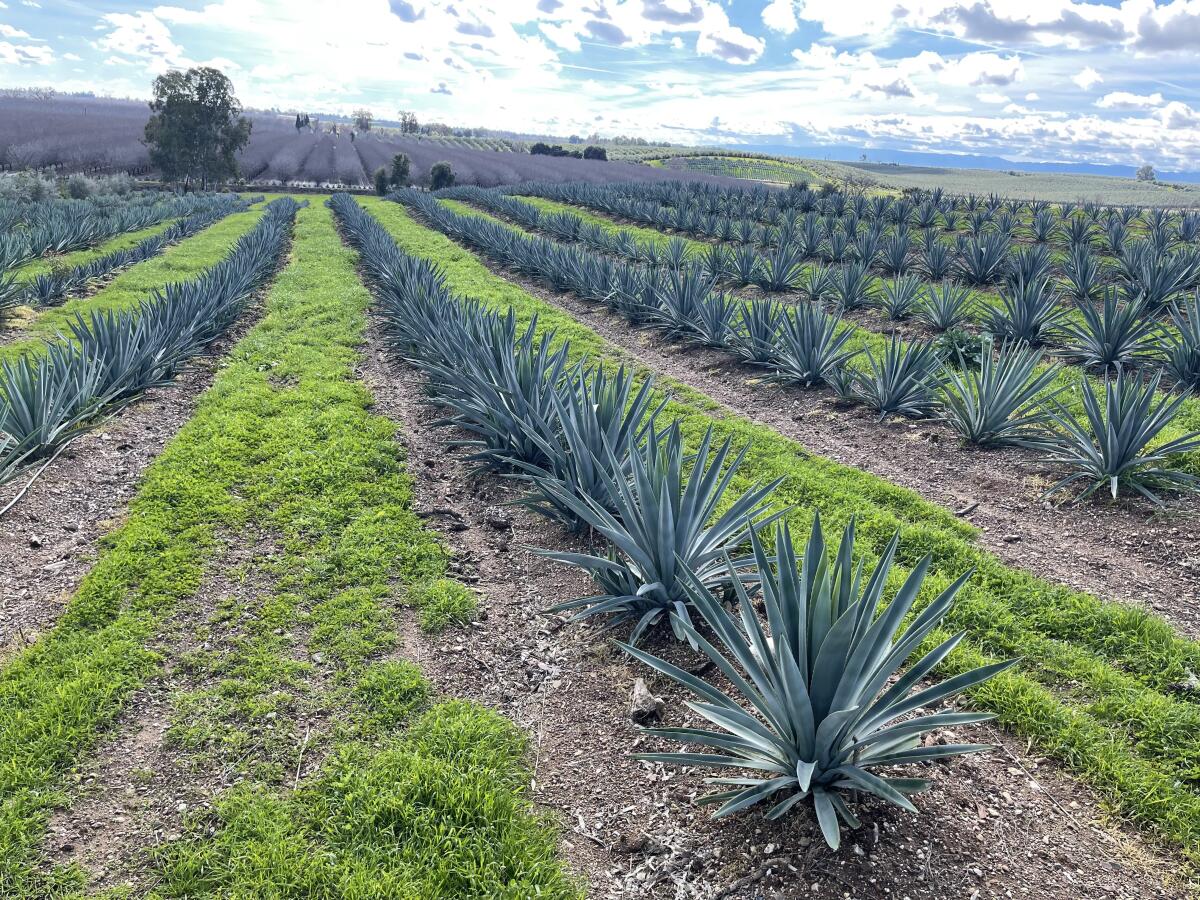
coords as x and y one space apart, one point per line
196 127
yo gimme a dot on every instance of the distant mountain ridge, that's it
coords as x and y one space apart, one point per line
853 155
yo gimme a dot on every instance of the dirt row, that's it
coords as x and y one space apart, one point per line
1004 824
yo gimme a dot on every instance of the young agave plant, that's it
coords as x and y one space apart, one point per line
1181 348
901 381
1030 312
1113 335
756 332
945 306
998 402
1112 445
664 528
899 297
819 696
811 346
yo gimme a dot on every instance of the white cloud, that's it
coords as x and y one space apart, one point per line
731 44
983 69
25 54
780 15
1032 96
9 32
142 36
72 57
987 97
1087 78
1126 100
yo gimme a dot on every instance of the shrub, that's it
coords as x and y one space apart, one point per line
381 181
441 175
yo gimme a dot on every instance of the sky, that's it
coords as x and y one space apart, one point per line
1032 80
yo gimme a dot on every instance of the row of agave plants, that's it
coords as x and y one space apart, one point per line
31 230
705 207
1002 398
49 396
1155 266
1031 305
1116 326
53 287
816 701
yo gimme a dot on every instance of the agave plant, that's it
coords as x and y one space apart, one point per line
1112 445
945 306
854 286
937 260
817 700
600 420
1112 335
1029 312
755 334
899 297
983 259
715 317
811 345
667 529
782 268
998 401
1180 348
816 283
901 381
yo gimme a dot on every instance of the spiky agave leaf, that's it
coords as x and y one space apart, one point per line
899 297
901 381
755 333
998 402
1113 445
817 698
662 523
1113 335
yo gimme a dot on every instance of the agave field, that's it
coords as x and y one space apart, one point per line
624 539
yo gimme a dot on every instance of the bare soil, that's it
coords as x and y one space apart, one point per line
1000 825
1128 551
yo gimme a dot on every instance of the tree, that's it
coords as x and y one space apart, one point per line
400 170
441 175
1146 173
381 181
594 152
363 119
408 122
196 126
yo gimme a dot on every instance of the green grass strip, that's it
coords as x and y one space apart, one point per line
283 440
181 262
1063 690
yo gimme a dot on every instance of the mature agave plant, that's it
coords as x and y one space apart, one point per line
1180 347
1043 225
668 526
745 265
1113 335
937 260
899 297
1114 445
816 284
811 345
681 294
715 261
1082 273
945 306
715 318
999 401
819 697
901 381
1029 312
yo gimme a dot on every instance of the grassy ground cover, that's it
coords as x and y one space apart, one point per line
1095 688
181 262
422 797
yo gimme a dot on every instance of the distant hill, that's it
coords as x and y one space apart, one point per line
889 160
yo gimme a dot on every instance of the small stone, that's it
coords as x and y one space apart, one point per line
34 541
643 706
1012 538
